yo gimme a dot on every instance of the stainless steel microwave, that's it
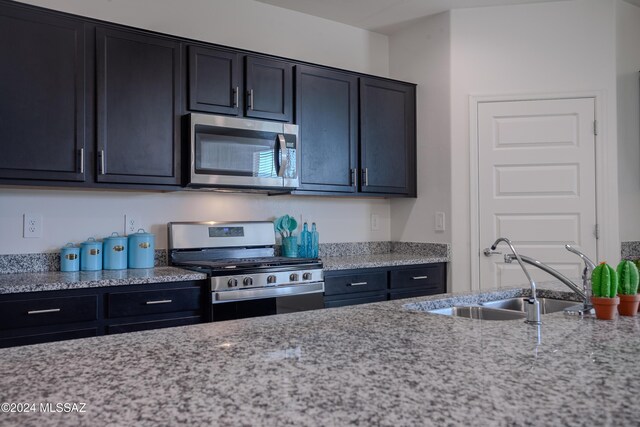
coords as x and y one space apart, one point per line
230 152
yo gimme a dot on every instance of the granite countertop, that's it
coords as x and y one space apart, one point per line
374 364
377 260
56 280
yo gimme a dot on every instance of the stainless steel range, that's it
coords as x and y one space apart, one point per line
246 278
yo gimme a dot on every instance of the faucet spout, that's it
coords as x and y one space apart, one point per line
533 307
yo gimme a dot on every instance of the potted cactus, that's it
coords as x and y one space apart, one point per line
628 288
604 288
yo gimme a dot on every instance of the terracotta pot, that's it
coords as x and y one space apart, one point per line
605 307
629 304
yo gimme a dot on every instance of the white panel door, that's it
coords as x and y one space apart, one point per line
536 185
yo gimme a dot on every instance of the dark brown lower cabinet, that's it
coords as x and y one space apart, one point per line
38 317
351 287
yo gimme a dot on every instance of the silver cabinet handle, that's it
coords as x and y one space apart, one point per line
101 162
250 99
236 97
354 177
82 160
366 176
357 284
162 301
50 310
419 277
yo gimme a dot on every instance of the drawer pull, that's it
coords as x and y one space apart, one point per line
49 310
357 284
419 277
162 301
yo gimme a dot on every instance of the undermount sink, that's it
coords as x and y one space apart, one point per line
547 305
482 313
505 309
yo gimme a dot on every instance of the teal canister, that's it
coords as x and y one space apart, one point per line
91 255
141 249
70 258
115 252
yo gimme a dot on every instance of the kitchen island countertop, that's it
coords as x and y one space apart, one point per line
374 364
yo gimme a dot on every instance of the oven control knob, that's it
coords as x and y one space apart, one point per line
293 277
232 282
248 281
306 276
271 279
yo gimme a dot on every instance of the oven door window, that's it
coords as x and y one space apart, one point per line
236 154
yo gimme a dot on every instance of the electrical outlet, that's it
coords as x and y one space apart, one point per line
439 221
32 226
131 224
375 219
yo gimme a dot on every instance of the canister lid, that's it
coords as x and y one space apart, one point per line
142 233
91 241
115 237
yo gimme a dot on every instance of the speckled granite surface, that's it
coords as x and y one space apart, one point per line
630 250
376 364
29 263
56 280
379 260
395 254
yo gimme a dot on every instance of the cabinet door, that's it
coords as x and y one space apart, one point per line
269 89
138 102
387 137
327 113
42 95
214 81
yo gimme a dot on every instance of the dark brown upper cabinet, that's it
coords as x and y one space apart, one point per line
214 81
387 137
43 73
138 106
327 113
268 89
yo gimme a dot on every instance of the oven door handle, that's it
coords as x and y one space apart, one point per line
262 293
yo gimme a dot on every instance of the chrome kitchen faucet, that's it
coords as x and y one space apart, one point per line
533 305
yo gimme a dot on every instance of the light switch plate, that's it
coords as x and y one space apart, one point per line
439 222
375 222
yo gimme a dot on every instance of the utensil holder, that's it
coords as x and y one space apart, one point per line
290 247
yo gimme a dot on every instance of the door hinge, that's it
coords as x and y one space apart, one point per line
595 127
596 231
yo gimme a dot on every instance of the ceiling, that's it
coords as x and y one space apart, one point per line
387 16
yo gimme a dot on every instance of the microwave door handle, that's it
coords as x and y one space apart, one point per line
280 160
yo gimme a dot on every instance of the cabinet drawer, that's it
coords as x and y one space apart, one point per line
48 311
123 304
353 283
417 277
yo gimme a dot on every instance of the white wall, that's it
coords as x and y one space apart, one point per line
76 215
421 54
628 67
532 49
